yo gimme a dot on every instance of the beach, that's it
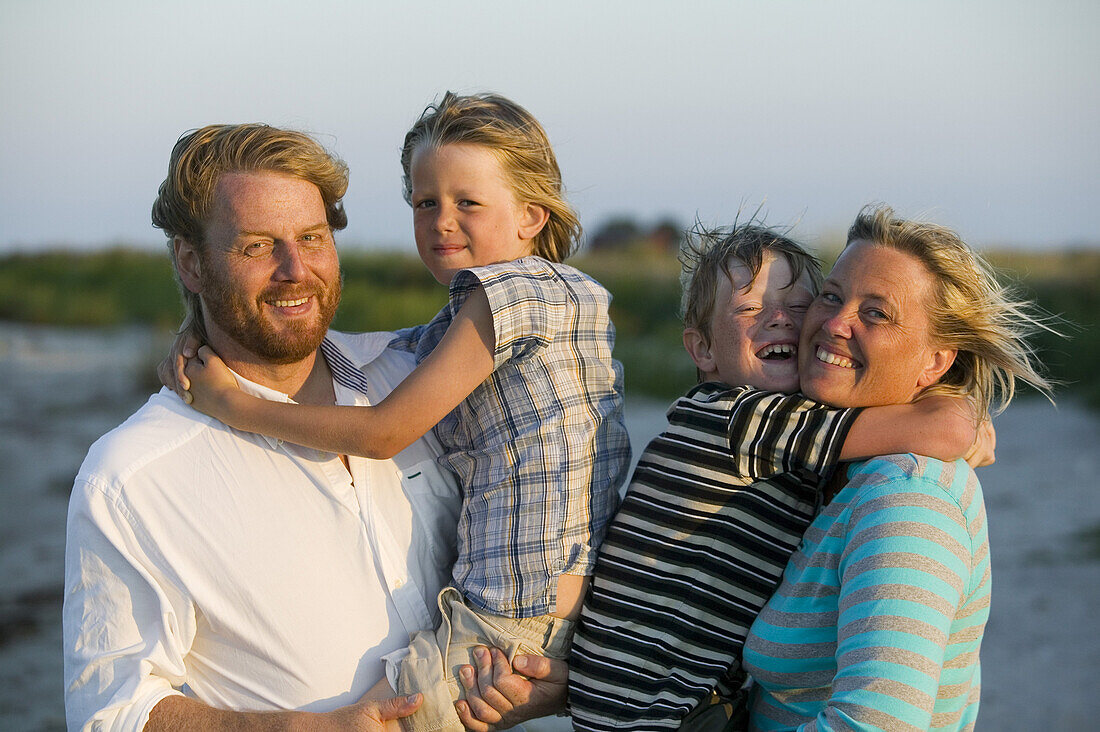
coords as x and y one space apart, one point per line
60 389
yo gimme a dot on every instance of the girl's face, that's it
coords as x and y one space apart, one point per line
465 213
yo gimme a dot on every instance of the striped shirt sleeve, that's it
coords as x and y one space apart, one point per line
771 433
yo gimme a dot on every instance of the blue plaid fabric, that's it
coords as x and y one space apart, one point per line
540 448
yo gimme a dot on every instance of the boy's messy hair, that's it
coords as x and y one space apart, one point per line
517 139
706 253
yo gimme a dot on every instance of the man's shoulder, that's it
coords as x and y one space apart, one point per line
163 425
372 349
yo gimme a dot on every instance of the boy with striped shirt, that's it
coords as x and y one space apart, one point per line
719 500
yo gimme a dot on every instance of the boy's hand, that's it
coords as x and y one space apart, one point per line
982 452
956 423
498 697
170 371
212 384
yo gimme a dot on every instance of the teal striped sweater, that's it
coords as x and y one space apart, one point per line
879 617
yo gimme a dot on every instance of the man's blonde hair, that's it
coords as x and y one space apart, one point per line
201 157
521 145
707 253
986 323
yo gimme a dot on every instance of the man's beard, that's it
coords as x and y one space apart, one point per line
243 321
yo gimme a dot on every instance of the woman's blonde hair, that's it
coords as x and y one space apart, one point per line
985 322
201 157
707 253
519 143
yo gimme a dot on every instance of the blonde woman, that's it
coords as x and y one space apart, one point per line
879 618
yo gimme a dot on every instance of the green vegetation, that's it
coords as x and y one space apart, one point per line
645 307
1066 284
385 291
103 288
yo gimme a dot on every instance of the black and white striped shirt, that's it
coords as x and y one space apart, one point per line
716 506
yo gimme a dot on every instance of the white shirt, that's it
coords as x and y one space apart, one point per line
247 572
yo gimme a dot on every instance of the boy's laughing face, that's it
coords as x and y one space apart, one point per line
754 328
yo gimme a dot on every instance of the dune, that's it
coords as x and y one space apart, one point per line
60 389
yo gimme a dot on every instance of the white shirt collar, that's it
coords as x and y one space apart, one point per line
361 348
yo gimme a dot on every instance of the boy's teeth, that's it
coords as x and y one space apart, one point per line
835 360
776 348
291 303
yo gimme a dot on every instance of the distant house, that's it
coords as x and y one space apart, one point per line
625 233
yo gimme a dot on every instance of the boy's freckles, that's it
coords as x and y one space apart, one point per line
755 327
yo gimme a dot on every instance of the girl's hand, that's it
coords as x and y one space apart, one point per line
170 371
982 452
212 384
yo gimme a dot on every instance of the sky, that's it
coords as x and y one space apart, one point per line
980 115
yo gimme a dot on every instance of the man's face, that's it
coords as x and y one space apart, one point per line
269 276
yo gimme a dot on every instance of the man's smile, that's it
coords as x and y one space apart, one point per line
290 303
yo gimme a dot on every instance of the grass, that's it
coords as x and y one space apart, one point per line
98 289
1066 284
386 291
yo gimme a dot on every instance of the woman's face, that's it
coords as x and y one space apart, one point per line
866 340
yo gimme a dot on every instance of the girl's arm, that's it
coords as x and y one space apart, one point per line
940 427
458 365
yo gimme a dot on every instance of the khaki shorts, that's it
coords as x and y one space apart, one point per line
463 628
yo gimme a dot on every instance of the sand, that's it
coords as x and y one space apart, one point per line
60 389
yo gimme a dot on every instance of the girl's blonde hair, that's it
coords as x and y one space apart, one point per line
519 143
985 322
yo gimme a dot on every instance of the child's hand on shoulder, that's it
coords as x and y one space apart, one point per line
212 384
170 371
983 451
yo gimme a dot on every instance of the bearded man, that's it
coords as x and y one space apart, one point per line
219 579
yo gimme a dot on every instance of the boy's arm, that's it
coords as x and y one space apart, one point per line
940 427
458 365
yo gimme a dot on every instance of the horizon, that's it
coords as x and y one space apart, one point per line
983 117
